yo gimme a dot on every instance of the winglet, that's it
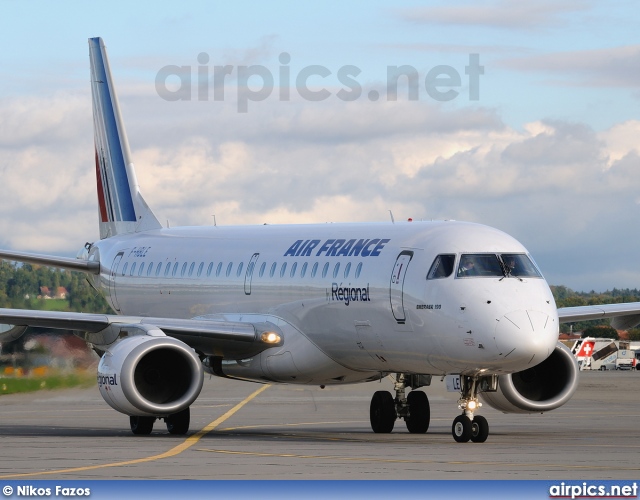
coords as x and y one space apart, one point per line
122 208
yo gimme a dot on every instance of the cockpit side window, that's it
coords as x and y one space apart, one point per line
442 266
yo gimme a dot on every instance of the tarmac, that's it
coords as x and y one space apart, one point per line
241 430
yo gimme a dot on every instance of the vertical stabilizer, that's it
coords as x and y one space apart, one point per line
122 208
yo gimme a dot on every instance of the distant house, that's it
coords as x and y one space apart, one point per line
46 293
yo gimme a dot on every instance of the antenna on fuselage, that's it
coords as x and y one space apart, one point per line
392 219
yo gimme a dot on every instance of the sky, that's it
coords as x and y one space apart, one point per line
523 116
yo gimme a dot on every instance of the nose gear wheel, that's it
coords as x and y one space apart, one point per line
469 427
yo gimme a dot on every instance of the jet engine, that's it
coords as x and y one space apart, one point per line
148 375
541 388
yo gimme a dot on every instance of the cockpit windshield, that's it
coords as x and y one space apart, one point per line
503 265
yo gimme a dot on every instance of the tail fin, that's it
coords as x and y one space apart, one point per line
122 207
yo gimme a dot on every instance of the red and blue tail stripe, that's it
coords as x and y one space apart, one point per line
121 207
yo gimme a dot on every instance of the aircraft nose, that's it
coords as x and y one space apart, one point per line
526 337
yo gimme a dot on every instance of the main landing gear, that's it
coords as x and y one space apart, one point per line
469 426
414 408
178 423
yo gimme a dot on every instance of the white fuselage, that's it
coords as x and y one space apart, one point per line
356 293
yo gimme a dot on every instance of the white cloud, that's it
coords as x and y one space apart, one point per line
498 14
608 67
561 188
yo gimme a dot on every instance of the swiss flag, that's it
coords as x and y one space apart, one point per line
586 349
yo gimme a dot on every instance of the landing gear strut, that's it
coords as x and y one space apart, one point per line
469 426
414 408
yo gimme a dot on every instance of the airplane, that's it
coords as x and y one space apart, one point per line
315 304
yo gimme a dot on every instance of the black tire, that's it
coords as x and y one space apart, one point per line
479 429
461 429
141 426
382 412
419 412
178 423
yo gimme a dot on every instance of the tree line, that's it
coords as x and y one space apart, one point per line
565 297
20 286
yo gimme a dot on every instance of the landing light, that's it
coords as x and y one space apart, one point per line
270 338
471 405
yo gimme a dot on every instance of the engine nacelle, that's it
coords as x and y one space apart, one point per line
150 376
9 333
541 388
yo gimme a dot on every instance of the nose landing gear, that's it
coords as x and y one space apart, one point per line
469 426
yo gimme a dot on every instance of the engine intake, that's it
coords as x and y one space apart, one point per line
541 388
150 376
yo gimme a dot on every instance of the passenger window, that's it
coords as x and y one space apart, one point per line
283 269
325 269
219 269
262 268
442 266
314 269
124 269
239 271
133 268
347 269
303 271
200 268
335 270
158 268
184 270
209 269
272 270
175 269
229 267
358 269
293 269
149 269
193 264
141 269
167 269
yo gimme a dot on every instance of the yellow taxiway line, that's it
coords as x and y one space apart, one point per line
176 450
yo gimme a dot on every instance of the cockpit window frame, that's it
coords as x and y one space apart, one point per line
439 266
476 265
521 268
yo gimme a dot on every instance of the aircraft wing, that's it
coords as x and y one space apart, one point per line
51 260
227 339
625 315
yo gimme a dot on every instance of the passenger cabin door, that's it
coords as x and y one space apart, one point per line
248 277
396 287
112 281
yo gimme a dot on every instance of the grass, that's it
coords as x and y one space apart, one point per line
52 305
14 385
